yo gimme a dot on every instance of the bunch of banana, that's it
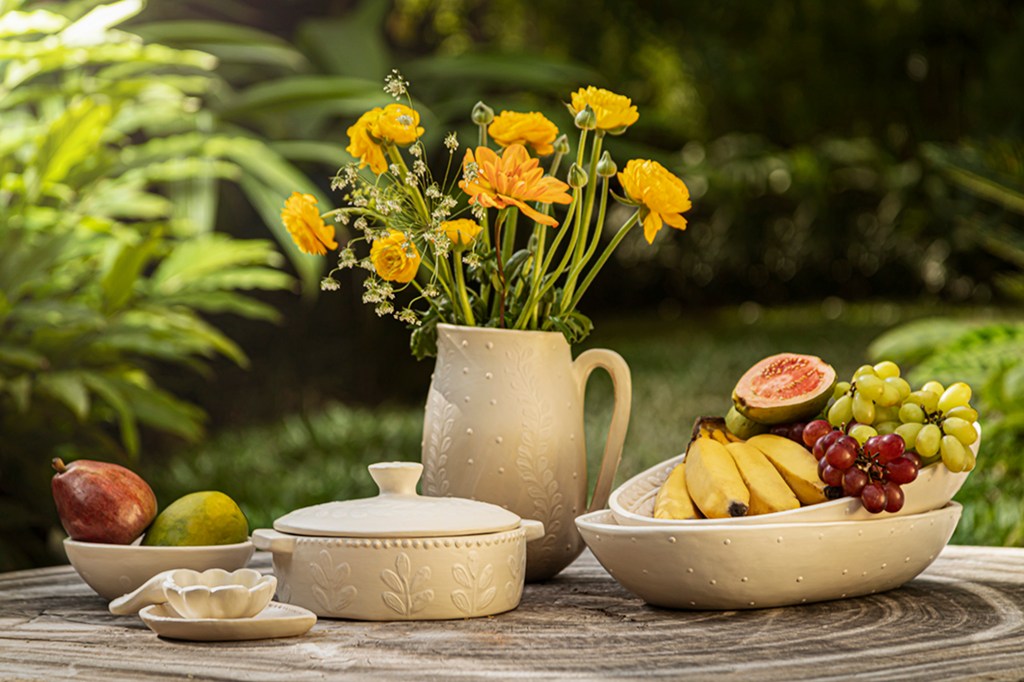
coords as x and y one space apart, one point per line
723 476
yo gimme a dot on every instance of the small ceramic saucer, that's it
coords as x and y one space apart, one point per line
277 620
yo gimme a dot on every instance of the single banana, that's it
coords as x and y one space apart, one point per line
673 500
768 490
796 464
713 480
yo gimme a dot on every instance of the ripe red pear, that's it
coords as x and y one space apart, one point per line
101 502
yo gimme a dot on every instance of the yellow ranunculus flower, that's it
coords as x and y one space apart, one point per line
395 257
461 232
614 112
663 194
303 222
362 146
397 123
534 129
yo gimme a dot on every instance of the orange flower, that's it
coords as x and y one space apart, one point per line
395 257
362 145
614 112
512 179
534 129
303 222
663 194
397 123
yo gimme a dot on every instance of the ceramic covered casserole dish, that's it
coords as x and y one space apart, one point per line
399 555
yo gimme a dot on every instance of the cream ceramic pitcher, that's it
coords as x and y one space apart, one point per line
504 424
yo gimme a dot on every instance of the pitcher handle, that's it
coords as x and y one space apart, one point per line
622 389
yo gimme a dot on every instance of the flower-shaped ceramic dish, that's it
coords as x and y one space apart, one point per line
632 503
759 566
218 594
113 570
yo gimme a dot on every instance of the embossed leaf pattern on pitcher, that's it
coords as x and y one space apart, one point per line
441 414
479 592
533 460
329 586
410 594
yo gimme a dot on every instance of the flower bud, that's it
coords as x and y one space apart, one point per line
561 144
606 167
482 114
577 176
586 119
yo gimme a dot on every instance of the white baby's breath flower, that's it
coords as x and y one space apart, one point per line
361 224
479 212
471 259
347 259
329 284
419 168
433 191
409 316
469 171
451 140
395 85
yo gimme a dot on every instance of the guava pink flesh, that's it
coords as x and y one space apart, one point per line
788 379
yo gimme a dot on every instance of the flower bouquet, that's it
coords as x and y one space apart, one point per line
482 245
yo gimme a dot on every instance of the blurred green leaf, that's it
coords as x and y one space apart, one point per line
68 388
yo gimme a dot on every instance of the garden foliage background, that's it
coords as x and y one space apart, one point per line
854 167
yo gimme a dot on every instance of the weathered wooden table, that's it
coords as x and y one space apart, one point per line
962 618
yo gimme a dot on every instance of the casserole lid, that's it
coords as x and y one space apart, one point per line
398 511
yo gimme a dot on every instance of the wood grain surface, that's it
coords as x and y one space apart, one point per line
961 619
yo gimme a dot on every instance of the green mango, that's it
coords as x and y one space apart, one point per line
204 518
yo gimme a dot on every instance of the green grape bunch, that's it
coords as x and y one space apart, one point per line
934 421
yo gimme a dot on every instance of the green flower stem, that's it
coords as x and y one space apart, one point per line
500 300
508 241
440 280
426 298
539 293
598 229
588 212
483 135
354 211
460 285
540 233
623 231
414 192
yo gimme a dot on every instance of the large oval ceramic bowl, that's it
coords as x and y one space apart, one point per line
113 570
632 503
714 567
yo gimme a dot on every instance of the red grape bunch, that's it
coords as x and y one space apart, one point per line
873 471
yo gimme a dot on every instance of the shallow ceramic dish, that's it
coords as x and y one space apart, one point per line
759 566
216 593
113 570
400 556
276 620
632 503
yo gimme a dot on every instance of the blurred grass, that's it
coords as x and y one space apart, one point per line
682 368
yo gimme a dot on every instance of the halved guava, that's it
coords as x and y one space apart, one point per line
783 388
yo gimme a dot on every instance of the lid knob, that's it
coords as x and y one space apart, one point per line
396 478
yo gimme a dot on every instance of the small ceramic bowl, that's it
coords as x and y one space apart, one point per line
218 594
712 567
632 503
113 570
